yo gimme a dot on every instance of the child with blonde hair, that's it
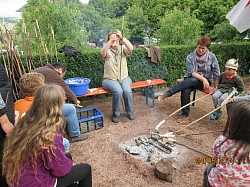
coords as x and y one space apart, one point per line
34 154
29 83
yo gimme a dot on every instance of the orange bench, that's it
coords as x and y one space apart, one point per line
140 84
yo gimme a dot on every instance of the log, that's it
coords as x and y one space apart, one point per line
164 169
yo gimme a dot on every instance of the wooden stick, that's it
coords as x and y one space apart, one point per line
158 126
39 53
121 48
199 133
122 23
224 103
196 150
41 38
53 37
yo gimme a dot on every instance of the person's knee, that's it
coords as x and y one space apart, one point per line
118 92
215 97
127 91
221 100
85 167
192 80
186 92
69 109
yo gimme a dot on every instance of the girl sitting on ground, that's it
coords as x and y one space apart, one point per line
231 151
33 155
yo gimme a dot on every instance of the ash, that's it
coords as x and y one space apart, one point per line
150 149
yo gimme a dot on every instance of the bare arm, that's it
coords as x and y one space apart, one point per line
106 47
126 42
216 83
6 125
201 78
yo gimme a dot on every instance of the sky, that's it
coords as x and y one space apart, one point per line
8 7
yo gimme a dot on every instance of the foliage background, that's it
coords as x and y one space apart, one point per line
48 25
69 22
172 66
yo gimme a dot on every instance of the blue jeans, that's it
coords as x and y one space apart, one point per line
186 87
72 125
218 98
118 91
66 144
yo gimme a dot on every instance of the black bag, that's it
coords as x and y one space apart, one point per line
70 51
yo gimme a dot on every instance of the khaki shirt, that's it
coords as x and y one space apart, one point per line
115 66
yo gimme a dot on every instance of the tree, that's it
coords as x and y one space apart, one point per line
156 9
111 8
224 32
135 22
179 27
48 22
213 12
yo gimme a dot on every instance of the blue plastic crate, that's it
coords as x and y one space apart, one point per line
78 85
89 119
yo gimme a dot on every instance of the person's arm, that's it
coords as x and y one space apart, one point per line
68 92
240 98
6 125
215 149
201 78
240 85
216 71
191 72
106 47
126 42
57 162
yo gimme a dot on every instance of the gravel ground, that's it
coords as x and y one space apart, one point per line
112 166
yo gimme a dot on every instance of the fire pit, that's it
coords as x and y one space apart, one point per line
150 149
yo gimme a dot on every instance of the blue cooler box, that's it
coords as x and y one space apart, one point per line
78 85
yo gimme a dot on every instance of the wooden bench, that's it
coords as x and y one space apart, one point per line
149 89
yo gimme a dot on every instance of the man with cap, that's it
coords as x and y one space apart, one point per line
227 81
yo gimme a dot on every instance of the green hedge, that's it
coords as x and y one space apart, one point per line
172 66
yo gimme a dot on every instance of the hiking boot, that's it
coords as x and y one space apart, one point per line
162 97
213 116
182 119
115 119
131 116
81 137
218 116
157 94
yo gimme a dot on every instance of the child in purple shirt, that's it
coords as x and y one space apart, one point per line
34 154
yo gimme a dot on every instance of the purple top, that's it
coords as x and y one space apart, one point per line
54 166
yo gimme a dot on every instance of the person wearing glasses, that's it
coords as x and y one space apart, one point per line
116 79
